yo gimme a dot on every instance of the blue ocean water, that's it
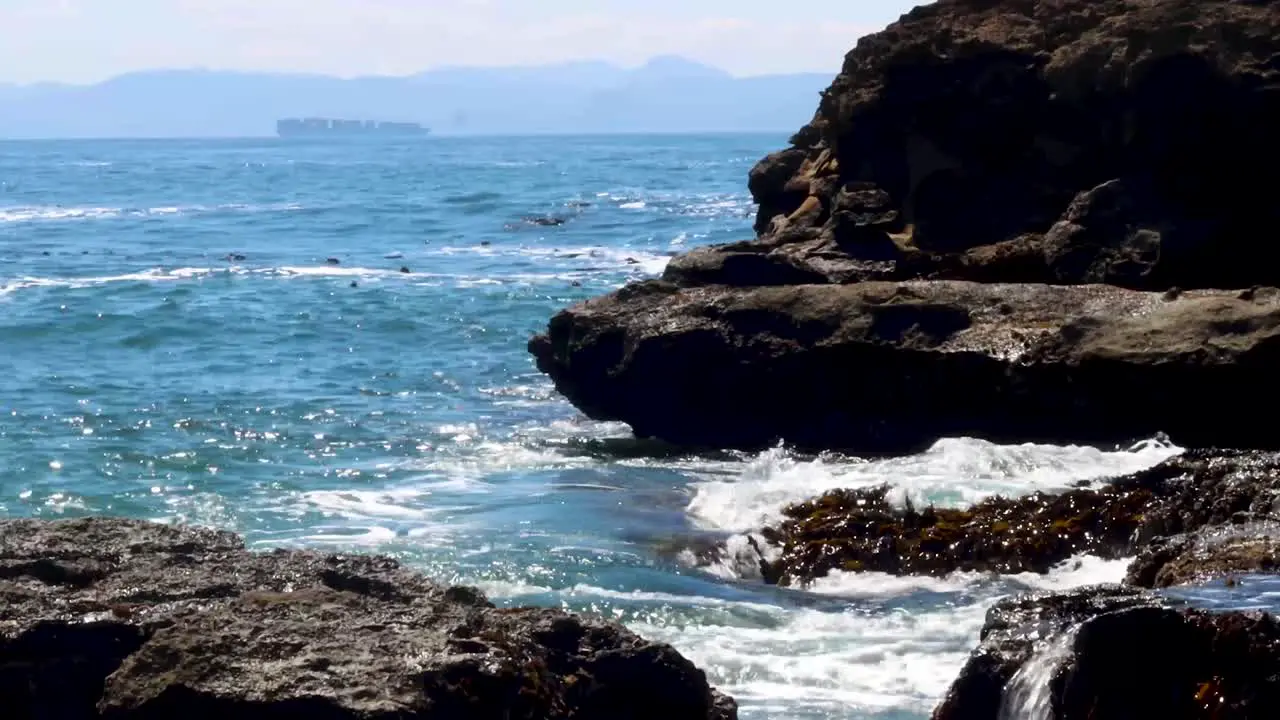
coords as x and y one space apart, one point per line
178 345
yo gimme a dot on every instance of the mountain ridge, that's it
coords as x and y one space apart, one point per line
665 94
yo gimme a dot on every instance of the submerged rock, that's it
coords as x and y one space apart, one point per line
1111 653
860 531
544 221
126 619
891 367
1199 515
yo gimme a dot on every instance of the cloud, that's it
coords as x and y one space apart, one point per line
83 40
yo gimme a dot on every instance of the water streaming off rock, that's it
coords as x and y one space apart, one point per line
1029 693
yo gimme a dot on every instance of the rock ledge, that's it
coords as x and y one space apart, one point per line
128 619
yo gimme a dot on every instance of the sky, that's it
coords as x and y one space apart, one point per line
84 41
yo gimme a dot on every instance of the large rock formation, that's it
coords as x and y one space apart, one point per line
1128 143
125 619
1108 653
881 366
1133 136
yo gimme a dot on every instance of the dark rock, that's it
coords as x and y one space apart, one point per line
891 367
1202 514
333 261
752 266
854 244
545 221
125 619
1014 631
1109 653
1217 552
405 269
1205 488
859 530
983 120
771 185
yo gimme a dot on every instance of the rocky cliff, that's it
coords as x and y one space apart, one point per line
124 619
1055 142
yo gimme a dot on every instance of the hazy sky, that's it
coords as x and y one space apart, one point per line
89 40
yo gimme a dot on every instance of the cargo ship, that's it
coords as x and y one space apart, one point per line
329 127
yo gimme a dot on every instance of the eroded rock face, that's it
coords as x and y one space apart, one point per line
983 121
891 367
125 619
1112 653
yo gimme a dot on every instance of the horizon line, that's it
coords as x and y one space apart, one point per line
425 139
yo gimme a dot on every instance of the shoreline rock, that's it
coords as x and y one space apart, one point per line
1109 653
128 619
1093 144
879 367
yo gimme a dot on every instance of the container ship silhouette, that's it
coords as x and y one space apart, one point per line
329 127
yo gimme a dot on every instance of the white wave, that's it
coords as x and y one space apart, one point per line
1075 572
865 661
35 213
151 275
340 271
27 214
882 585
596 256
861 660
393 504
951 473
159 274
808 661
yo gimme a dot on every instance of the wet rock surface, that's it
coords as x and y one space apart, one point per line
1223 551
126 619
891 367
860 531
1200 515
1110 652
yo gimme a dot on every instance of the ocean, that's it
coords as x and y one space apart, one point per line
322 344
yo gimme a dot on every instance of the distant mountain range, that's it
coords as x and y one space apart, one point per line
668 94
